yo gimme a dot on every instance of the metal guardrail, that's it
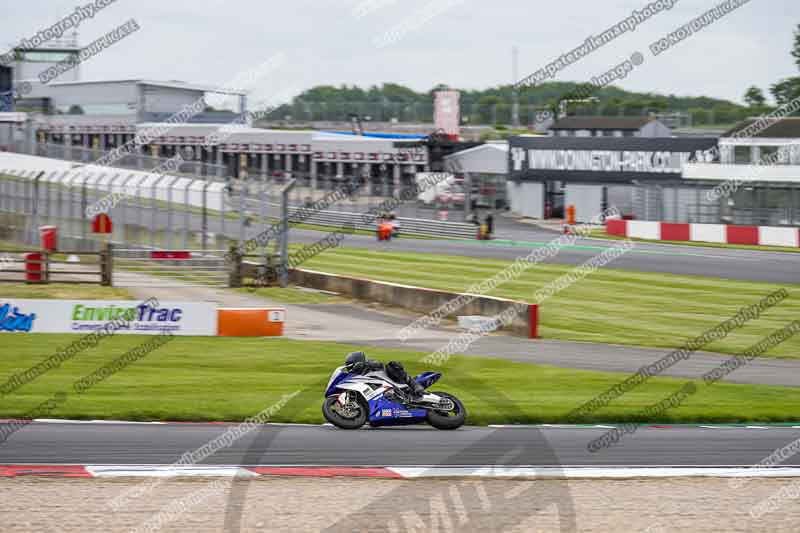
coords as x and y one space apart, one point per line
414 226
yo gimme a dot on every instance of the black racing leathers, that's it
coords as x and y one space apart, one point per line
394 370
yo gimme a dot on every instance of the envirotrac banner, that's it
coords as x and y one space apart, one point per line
127 316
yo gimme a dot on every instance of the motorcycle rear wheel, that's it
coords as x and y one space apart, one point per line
340 421
448 419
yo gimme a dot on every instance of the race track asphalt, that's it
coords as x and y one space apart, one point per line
775 267
514 239
162 444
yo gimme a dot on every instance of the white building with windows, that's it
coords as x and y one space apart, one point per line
763 170
609 127
778 144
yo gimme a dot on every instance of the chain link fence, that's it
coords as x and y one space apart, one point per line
373 184
184 209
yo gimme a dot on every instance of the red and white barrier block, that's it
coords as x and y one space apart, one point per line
717 233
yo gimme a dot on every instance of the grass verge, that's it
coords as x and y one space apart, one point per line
202 378
291 295
609 306
63 291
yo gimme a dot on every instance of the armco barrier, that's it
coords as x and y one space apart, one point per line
416 299
715 233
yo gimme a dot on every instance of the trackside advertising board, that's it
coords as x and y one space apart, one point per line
86 316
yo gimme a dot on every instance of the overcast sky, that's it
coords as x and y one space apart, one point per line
464 43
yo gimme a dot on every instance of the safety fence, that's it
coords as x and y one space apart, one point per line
172 211
375 182
693 201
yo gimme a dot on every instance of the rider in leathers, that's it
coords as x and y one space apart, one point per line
358 363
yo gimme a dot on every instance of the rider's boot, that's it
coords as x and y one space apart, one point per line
415 390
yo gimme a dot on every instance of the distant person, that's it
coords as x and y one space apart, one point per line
384 228
489 225
395 225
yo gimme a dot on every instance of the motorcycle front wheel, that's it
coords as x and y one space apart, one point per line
452 419
352 418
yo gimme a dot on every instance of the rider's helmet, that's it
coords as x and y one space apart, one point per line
354 358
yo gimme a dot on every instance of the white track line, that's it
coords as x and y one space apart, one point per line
592 472
326 424
527 472
167 471
60 421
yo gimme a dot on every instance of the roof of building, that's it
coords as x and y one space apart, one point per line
172 84
601 123
379 135
489 158
785 128
489 147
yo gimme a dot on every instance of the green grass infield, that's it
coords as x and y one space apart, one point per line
230 379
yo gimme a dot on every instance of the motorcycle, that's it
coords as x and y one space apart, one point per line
351 400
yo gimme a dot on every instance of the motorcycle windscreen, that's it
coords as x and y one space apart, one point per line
337 377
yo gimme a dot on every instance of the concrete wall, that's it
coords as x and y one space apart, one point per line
415 299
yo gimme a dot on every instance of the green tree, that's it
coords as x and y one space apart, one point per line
796 49
725 114
788 89
635 106
487 109
754 97
699 116
486 106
